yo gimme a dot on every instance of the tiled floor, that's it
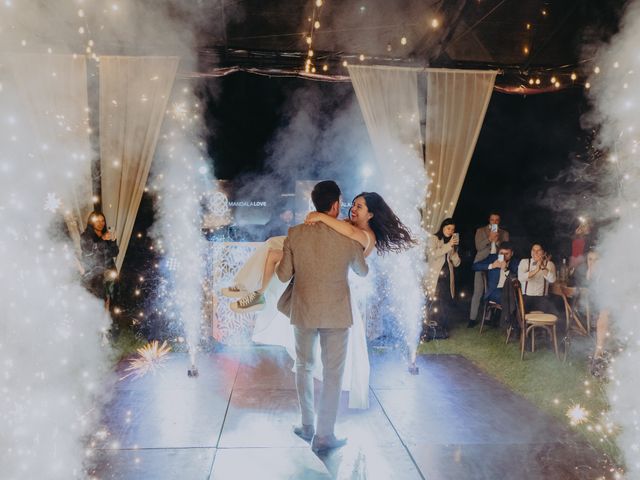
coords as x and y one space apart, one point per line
452 421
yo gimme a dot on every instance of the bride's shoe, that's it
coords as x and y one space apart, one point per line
234 291
253 302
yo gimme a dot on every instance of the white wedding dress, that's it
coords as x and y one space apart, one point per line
274 328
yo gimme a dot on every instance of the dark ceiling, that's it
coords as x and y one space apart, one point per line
525 39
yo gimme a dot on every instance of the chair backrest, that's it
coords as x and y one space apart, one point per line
519 303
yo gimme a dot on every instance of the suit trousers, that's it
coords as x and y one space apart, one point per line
478 292
333 353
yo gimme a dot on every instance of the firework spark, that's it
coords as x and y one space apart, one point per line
150 357
52 203
577 414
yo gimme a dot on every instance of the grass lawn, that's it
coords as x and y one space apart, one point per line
125 343
551 385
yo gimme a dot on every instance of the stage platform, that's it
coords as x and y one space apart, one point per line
452 421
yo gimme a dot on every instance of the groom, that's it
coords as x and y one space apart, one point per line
320 258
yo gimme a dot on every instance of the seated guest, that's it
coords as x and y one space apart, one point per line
498 266
488 240
535 274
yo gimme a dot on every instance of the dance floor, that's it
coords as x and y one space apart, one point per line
452 421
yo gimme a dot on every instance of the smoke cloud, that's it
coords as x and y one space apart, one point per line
53 364
615 96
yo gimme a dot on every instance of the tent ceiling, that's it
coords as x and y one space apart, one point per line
517 36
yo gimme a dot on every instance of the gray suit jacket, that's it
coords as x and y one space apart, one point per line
483 245
320 258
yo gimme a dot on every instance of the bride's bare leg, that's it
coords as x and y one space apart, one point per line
273 258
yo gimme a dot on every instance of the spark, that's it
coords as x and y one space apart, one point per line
150 357
577 414
52 203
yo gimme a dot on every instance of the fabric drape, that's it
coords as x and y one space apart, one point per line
389 100
457 101
413 161
53 96
134 92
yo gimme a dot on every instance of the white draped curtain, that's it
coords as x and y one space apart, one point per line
391 102
388 98
134 92
457 101
53 96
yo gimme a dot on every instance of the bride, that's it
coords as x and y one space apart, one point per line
373 224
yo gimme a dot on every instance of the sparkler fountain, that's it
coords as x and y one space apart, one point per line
181 178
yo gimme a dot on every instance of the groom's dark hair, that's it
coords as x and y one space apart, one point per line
325 194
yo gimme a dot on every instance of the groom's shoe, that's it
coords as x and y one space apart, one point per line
252 302
305 432
321 445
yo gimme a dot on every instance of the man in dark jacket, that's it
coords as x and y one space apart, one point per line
498 266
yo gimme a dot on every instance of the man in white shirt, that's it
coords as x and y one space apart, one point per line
488 239
535 275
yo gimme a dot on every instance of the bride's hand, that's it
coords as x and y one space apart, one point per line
312 217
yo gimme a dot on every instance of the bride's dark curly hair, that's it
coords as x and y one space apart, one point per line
391 234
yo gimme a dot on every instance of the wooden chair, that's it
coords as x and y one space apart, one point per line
530 321
489 307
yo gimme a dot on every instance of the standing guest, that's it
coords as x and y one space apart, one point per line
581 243
99 250
498 266
593 282
535 274
442 256
488 240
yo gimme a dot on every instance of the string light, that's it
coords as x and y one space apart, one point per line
403 40
435 23
574 77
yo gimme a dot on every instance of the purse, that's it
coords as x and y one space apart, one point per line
284 302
